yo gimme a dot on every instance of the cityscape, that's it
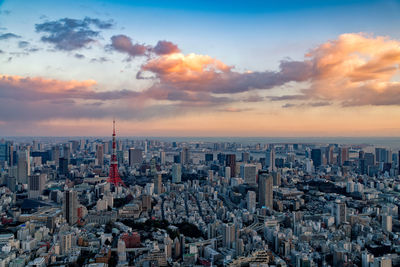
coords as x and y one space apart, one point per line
262 135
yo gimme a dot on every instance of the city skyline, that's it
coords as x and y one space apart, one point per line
185 69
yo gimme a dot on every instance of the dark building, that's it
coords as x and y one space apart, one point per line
231 162
221 158
63 166
45 155
209 157
245 156
316 157
177 158
6 153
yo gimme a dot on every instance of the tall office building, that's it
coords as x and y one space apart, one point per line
387 222
329 154
36 185
270 159
55 154
24 168
343 155
266 197
248 173
162 157
185 156
227 172
382 155
398 162
245 157
100 154
158 184
209 157
251 201
67 152
339 212
70 206
135 156
228 235
6 154
63 166
231 162
316 156
176 173
276 178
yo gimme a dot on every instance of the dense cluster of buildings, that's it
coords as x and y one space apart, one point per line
198 204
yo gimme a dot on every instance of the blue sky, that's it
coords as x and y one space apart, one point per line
249 36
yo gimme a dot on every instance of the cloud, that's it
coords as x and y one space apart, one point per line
37 88
9 35
233 109
39 98
356 69
79 56
23 44
100 60
194 72
123 43
165 48
70 34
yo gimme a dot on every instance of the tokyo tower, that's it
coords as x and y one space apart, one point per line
114 176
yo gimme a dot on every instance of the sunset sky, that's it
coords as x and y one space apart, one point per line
200 68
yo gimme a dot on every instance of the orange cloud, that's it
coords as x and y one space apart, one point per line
355 69
177 67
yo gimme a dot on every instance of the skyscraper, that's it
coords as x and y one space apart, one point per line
176 173
316 157
339 211
251 201
265 197
343 155
63 166
70 206
135 156
100 154
228 235
158 184
270 159
6 154
248 173
162 157
24 168
231 162
185 157
36 185
245 157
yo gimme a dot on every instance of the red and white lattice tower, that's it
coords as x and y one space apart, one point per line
114 175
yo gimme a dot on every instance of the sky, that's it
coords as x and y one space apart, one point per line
200 68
